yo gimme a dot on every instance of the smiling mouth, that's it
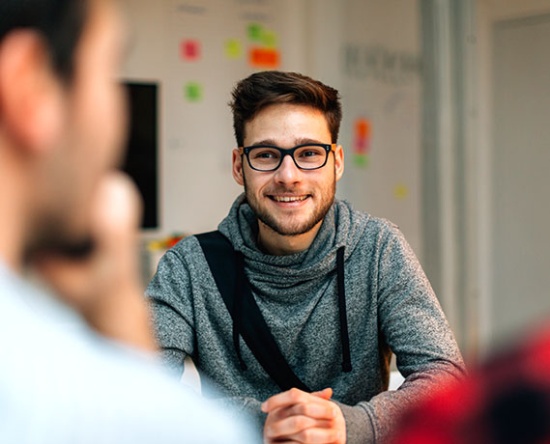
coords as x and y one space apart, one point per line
289 198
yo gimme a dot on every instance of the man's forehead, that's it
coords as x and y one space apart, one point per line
297 123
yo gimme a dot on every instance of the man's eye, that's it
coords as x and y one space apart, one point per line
264 155
311 153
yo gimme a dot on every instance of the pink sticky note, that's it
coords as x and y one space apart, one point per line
190 50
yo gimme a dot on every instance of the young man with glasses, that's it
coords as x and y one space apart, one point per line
339 290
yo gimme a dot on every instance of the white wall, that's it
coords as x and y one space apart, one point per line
501 320
196 138
382 83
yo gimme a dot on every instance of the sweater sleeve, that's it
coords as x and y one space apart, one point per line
169 292
171 297
414 327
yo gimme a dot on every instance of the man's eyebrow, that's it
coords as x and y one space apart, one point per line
301 141
264 142
308 140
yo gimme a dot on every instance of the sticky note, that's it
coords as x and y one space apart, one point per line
361 160
255 31
233 49
269 39
264 58
193 91
190 50
401 191
362 129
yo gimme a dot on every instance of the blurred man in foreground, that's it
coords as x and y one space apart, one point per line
68 218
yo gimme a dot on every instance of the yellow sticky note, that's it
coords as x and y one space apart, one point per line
401 191
269 39
233 49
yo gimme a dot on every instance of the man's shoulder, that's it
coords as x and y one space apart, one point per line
360 216
373 225
185 248
78 374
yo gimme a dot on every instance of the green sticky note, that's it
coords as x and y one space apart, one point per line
193 91
255 32
361 160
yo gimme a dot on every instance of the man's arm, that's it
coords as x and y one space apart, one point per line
414 327
169 295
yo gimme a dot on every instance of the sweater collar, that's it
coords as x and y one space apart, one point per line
341 226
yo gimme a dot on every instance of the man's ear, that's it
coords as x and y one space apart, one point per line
339 162
31 99
238 167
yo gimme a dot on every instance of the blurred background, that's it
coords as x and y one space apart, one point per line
446 133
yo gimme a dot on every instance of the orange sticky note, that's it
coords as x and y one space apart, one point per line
264 58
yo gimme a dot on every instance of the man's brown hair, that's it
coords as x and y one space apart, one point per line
59 22
262 89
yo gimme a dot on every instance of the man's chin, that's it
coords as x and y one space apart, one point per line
289 229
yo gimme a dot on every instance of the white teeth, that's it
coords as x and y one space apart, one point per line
289 198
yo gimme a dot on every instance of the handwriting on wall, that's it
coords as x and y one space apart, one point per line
381 64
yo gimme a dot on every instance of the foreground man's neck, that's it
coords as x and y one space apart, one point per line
278 245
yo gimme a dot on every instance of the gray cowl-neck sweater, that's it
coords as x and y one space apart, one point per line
390 307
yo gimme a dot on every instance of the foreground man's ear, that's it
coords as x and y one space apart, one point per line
31 99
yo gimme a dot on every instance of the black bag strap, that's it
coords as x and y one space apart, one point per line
247 318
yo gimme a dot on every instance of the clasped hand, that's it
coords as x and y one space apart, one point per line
296 416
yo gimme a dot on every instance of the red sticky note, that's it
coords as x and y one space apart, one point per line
190 50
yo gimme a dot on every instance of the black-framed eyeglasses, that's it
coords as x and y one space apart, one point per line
307 156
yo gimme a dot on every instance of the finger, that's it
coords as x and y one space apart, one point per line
287 399
116 213
318 409
325 393
290 427
295 396
116 209
307 431
282 428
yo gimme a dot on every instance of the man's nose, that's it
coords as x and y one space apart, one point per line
288 172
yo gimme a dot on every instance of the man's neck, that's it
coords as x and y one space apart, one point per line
280 245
